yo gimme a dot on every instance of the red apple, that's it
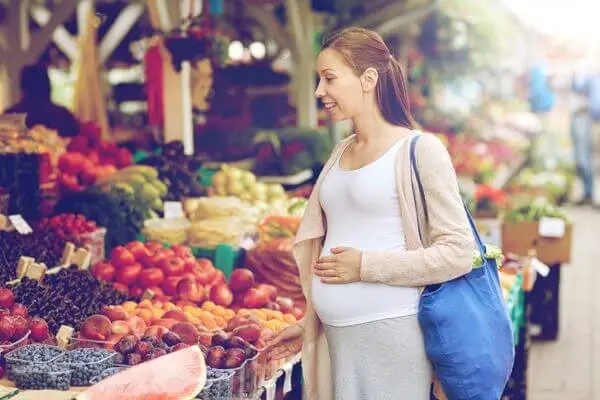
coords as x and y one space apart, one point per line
169 286
269 290
172 266
255 298
188 289
221 295
7 328
154 247
7 298
241 280
129 274
39 329
21 326
96 327
182 251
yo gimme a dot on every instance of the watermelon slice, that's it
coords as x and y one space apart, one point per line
180 375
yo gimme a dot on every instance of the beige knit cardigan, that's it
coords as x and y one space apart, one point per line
447 254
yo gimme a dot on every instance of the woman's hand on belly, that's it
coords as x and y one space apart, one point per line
342 266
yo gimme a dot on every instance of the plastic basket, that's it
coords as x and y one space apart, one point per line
6 348
218 387
94 242
18 357
83 372
50 377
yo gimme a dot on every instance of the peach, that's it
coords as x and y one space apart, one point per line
115 313
156 331
176 315
137 325
166 322
96 327
120 328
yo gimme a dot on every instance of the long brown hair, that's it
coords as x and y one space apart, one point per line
361 49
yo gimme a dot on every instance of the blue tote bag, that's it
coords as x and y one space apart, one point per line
466 327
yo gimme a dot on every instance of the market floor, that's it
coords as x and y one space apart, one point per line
569 369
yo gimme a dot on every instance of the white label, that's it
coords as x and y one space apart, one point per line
173 210
20 224
540 267
552 227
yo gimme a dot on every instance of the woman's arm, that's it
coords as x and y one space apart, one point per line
451 251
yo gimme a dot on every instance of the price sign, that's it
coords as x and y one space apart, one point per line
20 224
552 227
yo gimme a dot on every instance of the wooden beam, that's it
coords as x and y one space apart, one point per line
394 24
24 33
63 39
387 16
41 38
83 10
122 25
160 16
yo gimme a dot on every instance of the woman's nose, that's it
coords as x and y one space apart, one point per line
319 92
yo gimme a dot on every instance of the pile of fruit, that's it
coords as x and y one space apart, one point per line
41 245
69 227
231 181
16 322
77 171
89 143
141 184
134 350
169 273
177 171
38 139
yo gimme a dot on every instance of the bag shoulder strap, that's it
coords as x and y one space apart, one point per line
415 171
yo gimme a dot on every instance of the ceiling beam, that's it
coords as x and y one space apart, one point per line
119 29
389 18
63 39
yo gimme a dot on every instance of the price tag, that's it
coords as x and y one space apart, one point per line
64 334
552 227
36 272
173 210
540 267
20 224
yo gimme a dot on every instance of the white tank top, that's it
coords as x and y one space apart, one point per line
362 211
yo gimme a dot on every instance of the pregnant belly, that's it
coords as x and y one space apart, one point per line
361 302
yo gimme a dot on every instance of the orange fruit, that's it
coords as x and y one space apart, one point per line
220 321
219 310
208 305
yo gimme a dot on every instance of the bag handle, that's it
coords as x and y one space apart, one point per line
413 162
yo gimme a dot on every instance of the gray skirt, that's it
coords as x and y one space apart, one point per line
380 360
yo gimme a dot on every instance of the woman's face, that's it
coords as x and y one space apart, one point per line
339 88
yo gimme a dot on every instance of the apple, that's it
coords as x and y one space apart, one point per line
255 298
7 298
20 310
39 329
172 266
182 251
241 280
221 295
154 247
169 286
269 290
129 274
7 328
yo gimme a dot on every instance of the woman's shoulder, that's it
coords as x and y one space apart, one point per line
430 146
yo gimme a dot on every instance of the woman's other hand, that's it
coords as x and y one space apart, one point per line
286 343
342 266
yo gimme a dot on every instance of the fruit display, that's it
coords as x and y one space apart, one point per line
171 274
89 143
134 350
202 208
278 226
41 245
48 303
175 376
77 172
85 363
177 171
141 184
221 385
210 233
38 139
69 227
231 181
33 356
88 293
15 323
534 211
48 376
114 210
273 263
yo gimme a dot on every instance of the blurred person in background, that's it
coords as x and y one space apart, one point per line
585 112
36 102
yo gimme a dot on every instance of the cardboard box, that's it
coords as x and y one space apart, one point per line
520 237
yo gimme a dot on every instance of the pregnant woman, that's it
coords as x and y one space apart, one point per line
360 259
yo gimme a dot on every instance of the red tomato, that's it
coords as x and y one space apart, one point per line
104 271
121 257
218 277
241 280
129 274
172 266
182 251
205 263
169 286
153 246
189 264
255 298
151 277
139 250
155 260
202 276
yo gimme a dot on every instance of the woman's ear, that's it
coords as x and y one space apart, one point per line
369 79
